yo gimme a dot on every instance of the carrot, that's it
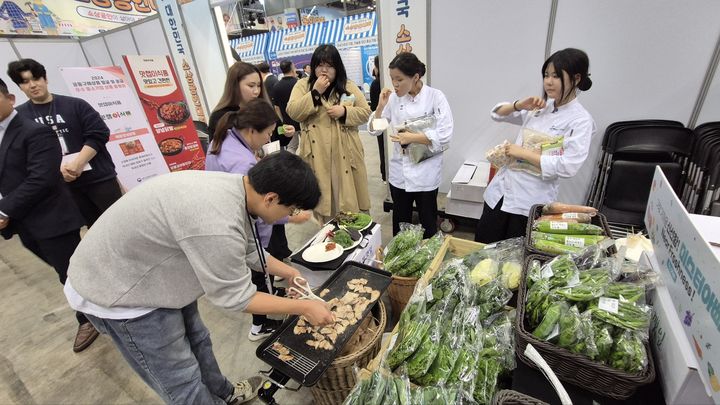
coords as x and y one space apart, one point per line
560 208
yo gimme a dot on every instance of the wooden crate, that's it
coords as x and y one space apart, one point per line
453 246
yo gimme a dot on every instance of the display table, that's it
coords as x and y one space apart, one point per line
316 274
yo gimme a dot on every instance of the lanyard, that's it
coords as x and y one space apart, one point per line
260 251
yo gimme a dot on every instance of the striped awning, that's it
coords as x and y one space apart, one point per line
352 31
295 41
251 49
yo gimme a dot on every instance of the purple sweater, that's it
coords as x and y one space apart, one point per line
236 157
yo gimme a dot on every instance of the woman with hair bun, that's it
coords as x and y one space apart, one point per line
410 181
558 113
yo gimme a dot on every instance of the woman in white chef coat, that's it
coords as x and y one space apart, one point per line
414 182
512 193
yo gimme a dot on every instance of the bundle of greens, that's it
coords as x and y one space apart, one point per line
353 220
414 262
629 353
408 237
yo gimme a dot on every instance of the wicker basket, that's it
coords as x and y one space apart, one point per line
329 397
510 397
340 375
399 292
572 367
536 212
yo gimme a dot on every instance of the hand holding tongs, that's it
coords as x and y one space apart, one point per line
303 292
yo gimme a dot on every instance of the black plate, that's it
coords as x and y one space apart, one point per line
174 151
185 113
309 363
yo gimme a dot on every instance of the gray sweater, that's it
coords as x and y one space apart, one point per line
169 241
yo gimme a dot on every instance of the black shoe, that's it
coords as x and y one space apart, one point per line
270 326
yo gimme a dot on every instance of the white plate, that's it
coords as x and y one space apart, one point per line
318 254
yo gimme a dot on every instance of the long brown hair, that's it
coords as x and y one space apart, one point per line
257 114
232 97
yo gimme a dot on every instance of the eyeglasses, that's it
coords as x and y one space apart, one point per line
294 211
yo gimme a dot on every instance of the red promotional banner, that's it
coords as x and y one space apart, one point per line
167 111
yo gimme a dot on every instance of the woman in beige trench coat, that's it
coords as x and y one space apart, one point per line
329 109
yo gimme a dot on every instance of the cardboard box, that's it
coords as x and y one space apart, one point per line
470 181
461 208
676 364
689 267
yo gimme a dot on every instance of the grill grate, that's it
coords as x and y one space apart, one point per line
299 363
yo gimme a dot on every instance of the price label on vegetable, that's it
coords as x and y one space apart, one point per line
570 215
609 304
558 226
428 292
574 241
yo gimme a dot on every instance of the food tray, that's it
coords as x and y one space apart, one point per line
309 363
536 212
332 264
575 368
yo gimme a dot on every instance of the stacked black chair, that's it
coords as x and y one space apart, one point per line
631 151
701 186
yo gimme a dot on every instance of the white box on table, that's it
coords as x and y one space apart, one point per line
470 181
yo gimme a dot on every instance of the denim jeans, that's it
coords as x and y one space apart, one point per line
171 351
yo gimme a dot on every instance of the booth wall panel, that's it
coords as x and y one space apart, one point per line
53 54
120 43
648 59
150 38
207 50
96 51
481 54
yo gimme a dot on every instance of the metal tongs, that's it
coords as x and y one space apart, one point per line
303 292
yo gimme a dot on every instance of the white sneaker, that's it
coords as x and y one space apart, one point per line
270 326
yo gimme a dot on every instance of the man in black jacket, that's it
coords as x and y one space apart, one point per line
86 164
35 203
281 95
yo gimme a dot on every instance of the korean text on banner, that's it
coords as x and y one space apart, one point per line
131 145
689 268
180 49
166 110
403 29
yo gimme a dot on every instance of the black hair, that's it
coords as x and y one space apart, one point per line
289 176
408 64
264 67
305 65
286 66
376 70
329 54
572 61
3 88
16 68
257 114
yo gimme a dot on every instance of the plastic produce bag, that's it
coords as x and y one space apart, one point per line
538 301
602 336
629 353
358 395
491 298
407 239
376 389
450 345
420 361
414 263
631 292
464 369
623 314
497 156
548 327
539 142
412 334
591 285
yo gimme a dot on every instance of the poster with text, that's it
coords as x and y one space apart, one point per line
166 110
132 146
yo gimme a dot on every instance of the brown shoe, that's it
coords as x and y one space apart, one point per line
86 334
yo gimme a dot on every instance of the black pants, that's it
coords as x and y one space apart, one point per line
278 244
426 202
258 278
94 199
56 252
381 148
495 225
